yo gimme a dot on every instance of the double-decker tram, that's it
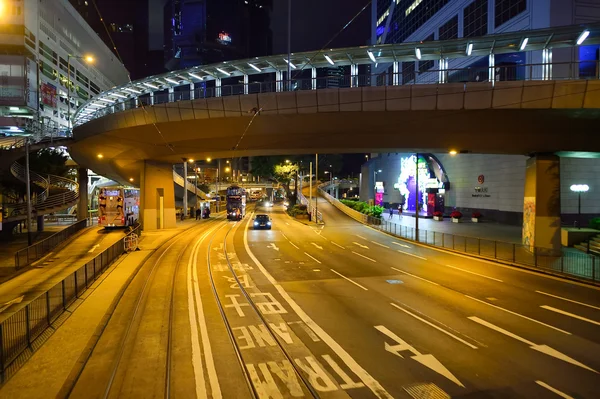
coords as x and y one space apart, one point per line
236 202
118 206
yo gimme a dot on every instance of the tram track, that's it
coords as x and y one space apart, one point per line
281 352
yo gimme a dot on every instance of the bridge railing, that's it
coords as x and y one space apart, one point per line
426 73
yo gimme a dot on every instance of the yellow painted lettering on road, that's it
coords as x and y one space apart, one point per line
265 389
262 336
348 383
287 374
317 377
272 306
282 331
246 337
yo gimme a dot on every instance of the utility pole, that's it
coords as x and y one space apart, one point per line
289 45
28 192
317 181
217 185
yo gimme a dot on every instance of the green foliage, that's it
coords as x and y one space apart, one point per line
595 223
363 207
297 210
48 162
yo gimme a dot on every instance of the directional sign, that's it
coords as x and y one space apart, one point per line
360 245
428 361
273 246
316 246
540 348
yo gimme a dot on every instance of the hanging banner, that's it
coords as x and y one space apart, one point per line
31 80
49 94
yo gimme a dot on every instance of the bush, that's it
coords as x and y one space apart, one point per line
438 214
363 207
297 210
476 215
456 215
595 223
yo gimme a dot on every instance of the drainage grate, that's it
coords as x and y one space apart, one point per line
426 390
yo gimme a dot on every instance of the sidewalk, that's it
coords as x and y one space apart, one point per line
53 363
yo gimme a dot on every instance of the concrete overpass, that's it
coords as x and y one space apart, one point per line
141 129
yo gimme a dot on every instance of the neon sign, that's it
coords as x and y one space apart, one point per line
224 38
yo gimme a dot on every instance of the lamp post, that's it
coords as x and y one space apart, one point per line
579 188
89 59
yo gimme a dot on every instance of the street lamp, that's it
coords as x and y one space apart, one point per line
375 184
579 188
88 59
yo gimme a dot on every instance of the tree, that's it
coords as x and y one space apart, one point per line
48 162
284 174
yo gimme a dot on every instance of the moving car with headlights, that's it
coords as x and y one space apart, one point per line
262 222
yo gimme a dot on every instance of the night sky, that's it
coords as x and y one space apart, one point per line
315 22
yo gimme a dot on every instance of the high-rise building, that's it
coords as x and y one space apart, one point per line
45 45
206 31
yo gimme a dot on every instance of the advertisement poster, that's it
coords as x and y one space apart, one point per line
529 222
31 92
49 95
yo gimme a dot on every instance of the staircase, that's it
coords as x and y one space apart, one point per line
594 245
58 193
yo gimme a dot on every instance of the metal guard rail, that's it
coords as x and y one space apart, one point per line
569 264
19 331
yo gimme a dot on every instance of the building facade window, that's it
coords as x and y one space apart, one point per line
506 10
450 29
475 19
408 72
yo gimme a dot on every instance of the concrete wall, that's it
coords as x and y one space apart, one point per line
579 171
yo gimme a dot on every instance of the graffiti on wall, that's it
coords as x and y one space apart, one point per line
529 222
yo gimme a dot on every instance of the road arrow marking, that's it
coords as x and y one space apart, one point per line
93 248
360 245
317 246
273 246
402 245
426 360
11 302
540 348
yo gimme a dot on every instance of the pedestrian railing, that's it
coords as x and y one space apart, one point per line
19 331
28 255
315 214
568 263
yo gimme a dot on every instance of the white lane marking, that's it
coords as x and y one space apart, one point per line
312 257
402 245
352 281
426 360
93 248
412 275
287 223
366 257
569 300
381 245
359 236
360 245
520 315
295 246
545 349
408 253
337 245
550 308
284 236
195 307
11 302
554 390
273 246
316 246
352 364
477 274
434 326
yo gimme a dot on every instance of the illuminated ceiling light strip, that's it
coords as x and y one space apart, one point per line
223 71
118 95
151 86
196 76
582 37
289 62
172 81
469 49
371 56
106 100
329 59
255 67
524 43
418 53
133 91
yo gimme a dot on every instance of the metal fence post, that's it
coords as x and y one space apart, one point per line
453 241
27 326
48 306
63 295
1 353
593 268
495 249
478 246
76 288
443 245
535 257
513 259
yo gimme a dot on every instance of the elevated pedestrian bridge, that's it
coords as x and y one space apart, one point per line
524 93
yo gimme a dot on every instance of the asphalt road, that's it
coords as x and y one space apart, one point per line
341 310
416 319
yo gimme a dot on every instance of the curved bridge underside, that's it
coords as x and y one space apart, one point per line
509 118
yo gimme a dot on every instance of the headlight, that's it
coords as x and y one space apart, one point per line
256 223
268 223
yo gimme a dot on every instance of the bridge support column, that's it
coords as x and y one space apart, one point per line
541 206
82 203
278 81
157 196
492 69
313 83
218 87
547 64
396 73
443 67
40 223
337 192
192 91
353 75
171 94
151 98
245 84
